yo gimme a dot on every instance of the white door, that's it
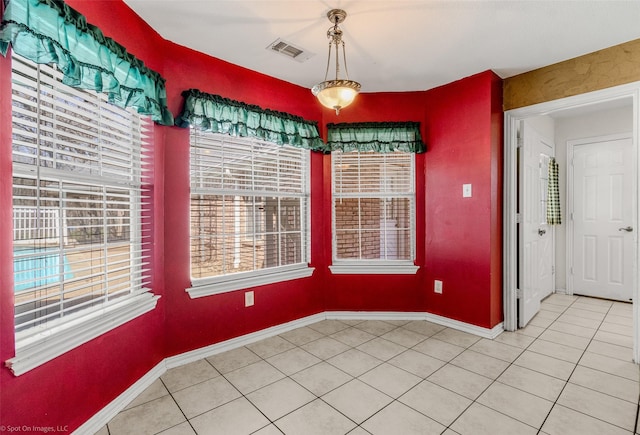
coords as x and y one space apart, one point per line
536 251
603 233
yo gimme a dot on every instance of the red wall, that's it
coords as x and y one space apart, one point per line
71 388
380 292
463 235
458 239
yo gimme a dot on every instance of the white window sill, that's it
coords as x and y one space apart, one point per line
239 281
35 349
374 268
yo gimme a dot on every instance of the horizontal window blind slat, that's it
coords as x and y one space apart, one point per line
373 206
241 192
79 168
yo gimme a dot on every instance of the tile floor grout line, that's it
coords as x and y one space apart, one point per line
513 363
446 363
573 371
244 396
492 383
555 402
635 426
405 348
315 395
188 420
351 347
311 392
386 362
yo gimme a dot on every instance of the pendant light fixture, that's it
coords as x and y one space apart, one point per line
338 93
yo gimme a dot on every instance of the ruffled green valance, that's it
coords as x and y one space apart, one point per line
382 137
49 31
221 115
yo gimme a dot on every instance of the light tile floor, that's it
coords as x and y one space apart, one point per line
568 372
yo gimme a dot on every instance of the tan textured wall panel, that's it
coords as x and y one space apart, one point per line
601 69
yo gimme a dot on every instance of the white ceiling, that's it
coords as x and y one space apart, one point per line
396 45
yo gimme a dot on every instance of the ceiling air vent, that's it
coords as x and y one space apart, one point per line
291 51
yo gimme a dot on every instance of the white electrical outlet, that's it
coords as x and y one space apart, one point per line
437 286
248 299
466 190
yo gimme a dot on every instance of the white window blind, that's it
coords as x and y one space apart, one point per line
249 205
373 205
81 216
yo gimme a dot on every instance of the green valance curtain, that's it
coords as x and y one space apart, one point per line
554 216
221 115
49 31
382 137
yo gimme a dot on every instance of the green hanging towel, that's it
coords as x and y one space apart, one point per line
553 195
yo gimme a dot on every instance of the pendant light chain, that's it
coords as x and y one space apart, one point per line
338 93
344 60
326 74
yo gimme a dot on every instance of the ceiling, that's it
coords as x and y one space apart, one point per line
396 45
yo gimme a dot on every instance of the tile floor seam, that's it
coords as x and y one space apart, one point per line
241 395
347 344
591 416
539 429
395 401
555 403
315 395
403 404
599 391
483 391
635 426
244 396
187 420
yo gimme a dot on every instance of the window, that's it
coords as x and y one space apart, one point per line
249 212
373 211
80 198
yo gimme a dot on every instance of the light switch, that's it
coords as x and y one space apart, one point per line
466 190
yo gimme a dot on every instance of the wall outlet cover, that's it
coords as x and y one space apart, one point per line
248 299
466 190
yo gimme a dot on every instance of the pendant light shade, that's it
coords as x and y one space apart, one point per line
339 93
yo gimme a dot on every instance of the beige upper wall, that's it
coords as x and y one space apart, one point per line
601 69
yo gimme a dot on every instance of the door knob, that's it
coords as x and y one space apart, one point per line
541 232
627 229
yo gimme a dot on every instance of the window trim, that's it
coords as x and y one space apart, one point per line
40 344
372 266
201 287
71 333
243 280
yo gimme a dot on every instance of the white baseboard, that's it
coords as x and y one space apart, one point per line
99 420
243 340
444 321
466 327
373 315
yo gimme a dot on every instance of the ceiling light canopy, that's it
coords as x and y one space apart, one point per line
338 93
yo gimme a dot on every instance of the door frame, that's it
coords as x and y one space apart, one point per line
571 144
510 182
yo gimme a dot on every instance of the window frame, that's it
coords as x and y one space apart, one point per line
39 344
374 266
200 287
